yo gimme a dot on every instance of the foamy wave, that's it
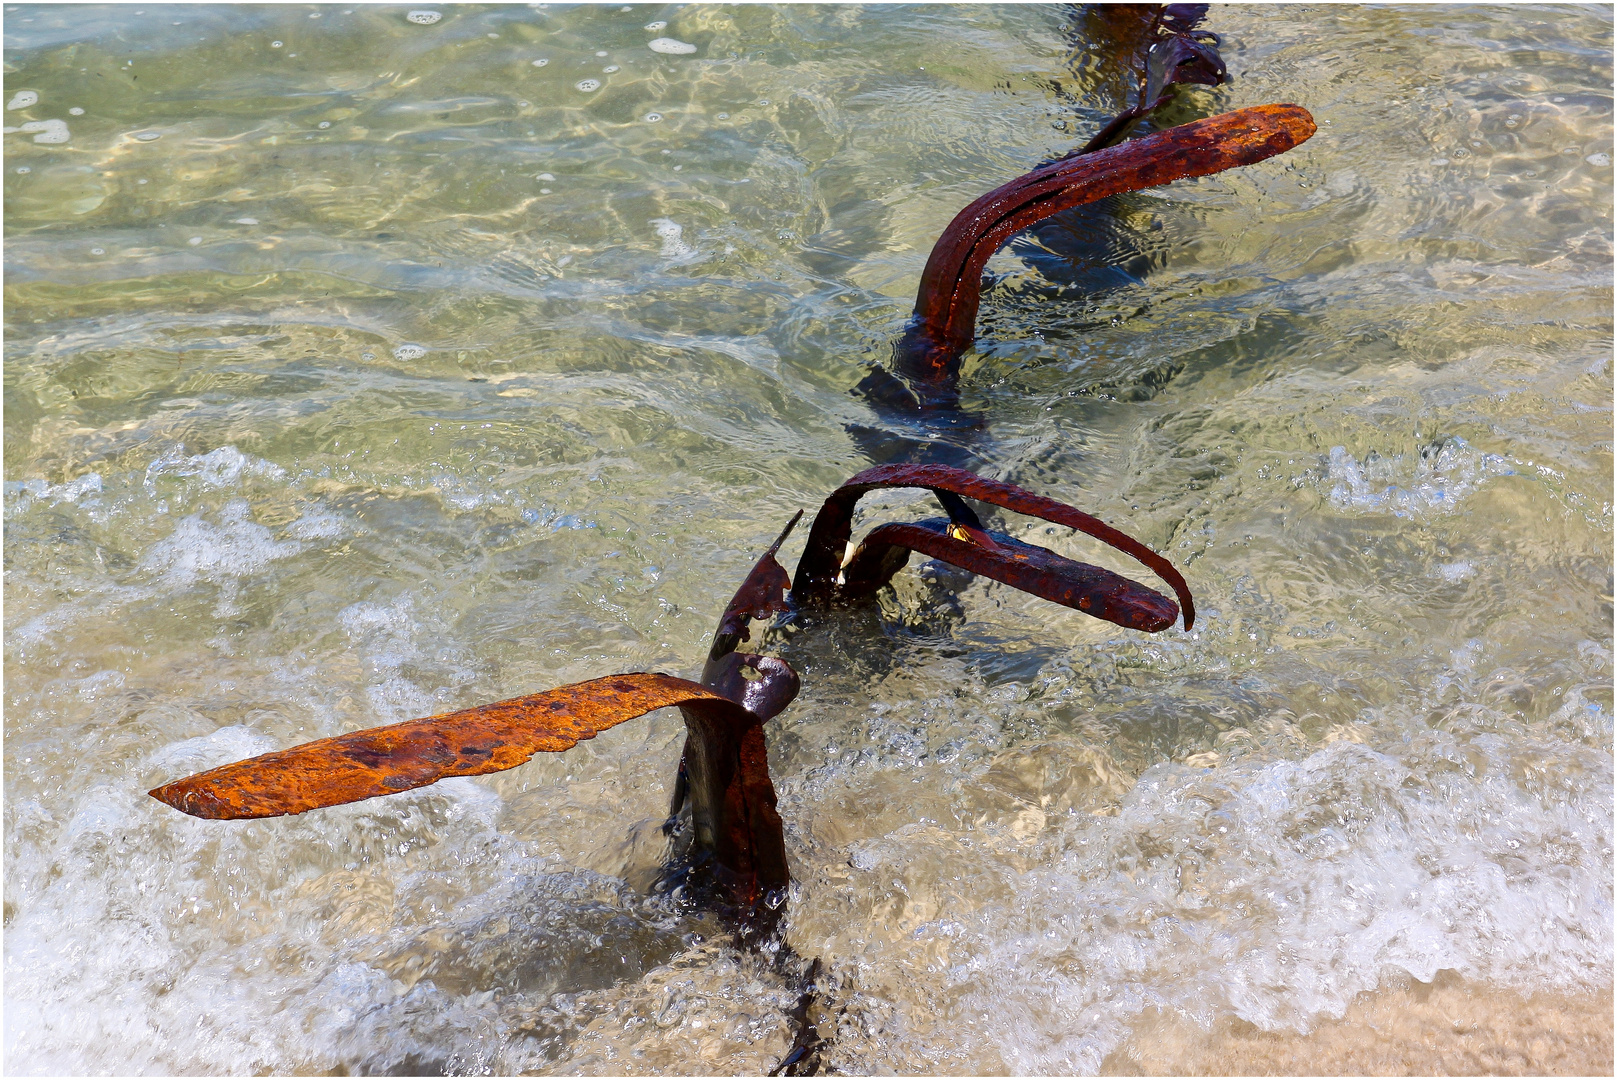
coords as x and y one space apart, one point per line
1280 892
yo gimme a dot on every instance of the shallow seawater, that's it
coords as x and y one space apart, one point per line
361 365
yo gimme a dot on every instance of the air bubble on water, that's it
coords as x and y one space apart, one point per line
246 221
276 44
1598 160
50 131
98 251
323 124
148 136
522 104
424 18
544 176
653 117
194 241
724 116
588 85
24 170
367 356
409 352
609 69
143 180
22 99
660 24
670 46
544 191
602 52
75 111
542 61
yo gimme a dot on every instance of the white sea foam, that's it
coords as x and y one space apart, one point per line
424 18
224 552
1455 572
21 493
670 46
386 635
1279 892
218 747
222 467
50 131
672 235
1439 479
22 99
317 524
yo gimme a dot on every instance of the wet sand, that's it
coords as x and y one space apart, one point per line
1444 1028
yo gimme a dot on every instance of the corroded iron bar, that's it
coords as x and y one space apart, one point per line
1093 590
928 355
817 570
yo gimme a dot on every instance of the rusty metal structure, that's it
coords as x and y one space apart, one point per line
726 836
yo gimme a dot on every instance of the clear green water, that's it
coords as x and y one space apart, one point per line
381 371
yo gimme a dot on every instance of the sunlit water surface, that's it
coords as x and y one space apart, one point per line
361 365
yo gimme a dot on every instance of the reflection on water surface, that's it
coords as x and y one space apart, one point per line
361 367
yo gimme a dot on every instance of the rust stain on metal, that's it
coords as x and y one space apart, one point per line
928 355
1091 589
817 570
471 742
762 593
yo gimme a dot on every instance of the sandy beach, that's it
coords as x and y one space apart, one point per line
1443 1028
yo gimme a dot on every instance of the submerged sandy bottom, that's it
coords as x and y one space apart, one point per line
1443 1028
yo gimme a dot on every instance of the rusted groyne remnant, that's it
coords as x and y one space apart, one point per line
728 842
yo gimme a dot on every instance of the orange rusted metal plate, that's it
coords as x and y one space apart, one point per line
398 757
